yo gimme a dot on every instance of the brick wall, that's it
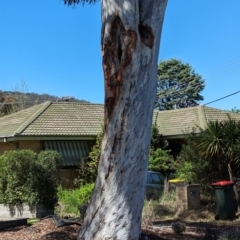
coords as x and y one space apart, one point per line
35 145
7 147
188 197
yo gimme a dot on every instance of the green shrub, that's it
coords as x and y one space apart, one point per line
178 227
160 160
187 171
46 178
72 199
28 178
15 175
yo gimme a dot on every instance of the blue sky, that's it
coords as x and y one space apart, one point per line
55 49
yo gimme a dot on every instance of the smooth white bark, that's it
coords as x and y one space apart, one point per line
130 45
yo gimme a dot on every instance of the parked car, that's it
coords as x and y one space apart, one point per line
154 185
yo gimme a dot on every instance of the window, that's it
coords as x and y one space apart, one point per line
156 179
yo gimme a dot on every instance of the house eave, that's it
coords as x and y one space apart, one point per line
46 137
177 136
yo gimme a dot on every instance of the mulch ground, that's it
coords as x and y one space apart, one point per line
47 230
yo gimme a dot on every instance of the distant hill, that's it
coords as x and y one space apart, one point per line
14 101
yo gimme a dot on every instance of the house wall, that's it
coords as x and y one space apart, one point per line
7 147
36 146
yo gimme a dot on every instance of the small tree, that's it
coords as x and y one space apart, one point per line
160 159
89 166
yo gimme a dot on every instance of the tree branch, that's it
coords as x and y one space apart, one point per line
74 2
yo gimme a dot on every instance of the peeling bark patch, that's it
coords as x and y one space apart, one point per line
117 56
146 35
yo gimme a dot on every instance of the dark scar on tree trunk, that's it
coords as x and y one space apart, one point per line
110 168
89 223
117 55
146 35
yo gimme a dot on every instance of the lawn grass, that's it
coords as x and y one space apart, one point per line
32 221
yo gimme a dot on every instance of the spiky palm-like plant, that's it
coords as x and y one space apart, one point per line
221 139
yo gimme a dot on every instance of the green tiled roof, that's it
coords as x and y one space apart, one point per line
13 124
53 119
75 119
177 122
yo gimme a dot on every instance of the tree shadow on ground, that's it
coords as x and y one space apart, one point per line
204 230
69 235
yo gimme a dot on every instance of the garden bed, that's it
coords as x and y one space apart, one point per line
12 222
47 229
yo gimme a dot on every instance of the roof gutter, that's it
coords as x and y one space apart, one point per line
178 136
46 138
4 138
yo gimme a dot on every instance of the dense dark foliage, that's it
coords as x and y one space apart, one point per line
157 140
178 85
193 168
28 178
214 151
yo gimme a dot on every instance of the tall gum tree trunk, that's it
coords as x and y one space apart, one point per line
131 32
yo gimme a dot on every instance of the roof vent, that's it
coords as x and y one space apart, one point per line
65 99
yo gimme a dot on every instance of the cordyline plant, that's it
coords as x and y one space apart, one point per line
221 139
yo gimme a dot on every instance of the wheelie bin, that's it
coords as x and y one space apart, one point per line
226 204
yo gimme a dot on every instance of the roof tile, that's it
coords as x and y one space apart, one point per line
84 119
185 120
